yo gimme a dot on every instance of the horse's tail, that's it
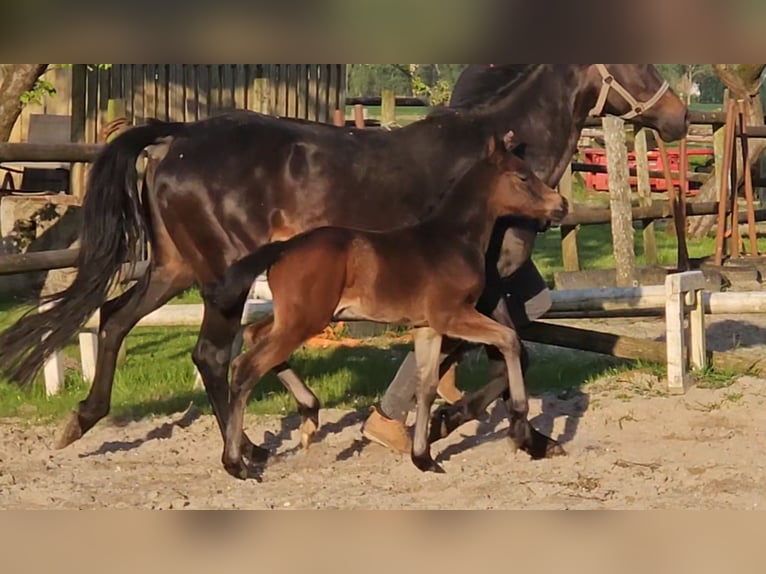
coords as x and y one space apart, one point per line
113 222
239 278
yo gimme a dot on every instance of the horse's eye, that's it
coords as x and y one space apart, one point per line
523 177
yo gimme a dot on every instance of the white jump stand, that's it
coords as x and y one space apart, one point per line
685 295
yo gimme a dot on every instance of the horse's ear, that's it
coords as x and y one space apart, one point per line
508 140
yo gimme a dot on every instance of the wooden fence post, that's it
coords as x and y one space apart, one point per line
645 195
619 192
262 96
569 251
79 120
388 109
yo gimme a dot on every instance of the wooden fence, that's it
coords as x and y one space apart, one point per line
190 92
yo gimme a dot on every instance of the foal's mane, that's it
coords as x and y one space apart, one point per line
492 85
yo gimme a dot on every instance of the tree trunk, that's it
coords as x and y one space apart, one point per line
15 81
620 195
743 80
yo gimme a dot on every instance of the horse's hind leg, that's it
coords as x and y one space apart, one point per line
118 317
212 357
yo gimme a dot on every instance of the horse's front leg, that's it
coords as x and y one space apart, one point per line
427 350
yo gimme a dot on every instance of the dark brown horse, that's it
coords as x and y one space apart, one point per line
221 188
428 276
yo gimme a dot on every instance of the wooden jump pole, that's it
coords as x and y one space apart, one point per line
645 195
678 216
749 191
724 184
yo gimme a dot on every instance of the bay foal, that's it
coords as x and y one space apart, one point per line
428 276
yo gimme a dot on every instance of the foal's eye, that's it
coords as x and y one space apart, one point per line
523 177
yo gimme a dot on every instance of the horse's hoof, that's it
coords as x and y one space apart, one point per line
253 454
309 429
71 433
241 470
427 464
538 446
445 421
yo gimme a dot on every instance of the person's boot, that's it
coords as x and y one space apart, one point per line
386 432
448 388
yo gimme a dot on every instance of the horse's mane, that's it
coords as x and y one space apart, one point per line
481 86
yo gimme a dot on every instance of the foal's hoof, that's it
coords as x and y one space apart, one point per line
71 433
427 464
309 430
446 420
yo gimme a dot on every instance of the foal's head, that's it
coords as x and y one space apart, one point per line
516 190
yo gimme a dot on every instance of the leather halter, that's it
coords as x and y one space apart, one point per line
609 82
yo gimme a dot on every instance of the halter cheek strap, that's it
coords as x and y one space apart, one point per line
608 83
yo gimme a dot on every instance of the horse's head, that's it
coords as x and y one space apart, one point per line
516 189
637 93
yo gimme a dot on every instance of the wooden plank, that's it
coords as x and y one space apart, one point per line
323 94
162 82
240 86
116 89
568 233
290 89
273 75
262 96
127 91
77 179
645 195
191 101
104 93
227 87
214 71
139 94
334 90
79 102
620 201
150 91
203 81
176 102
595 342
313 88
303 91
91 122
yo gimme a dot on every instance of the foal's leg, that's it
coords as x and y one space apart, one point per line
475 327
272 349
118 317
308 403
427 349
212 356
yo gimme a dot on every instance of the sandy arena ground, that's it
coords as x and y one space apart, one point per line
629 447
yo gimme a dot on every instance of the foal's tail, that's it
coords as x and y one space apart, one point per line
240 276
112 227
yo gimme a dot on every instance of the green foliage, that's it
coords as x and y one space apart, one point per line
43 87
682 77
431 81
